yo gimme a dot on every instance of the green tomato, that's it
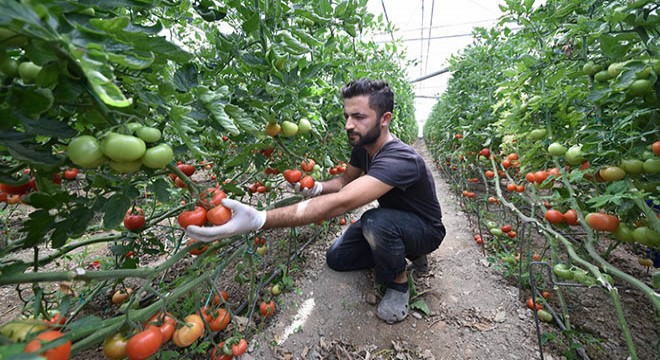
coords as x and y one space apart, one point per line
496 232
640 87
304 126
123 148
148 134
289 128
574 155
276 290
602 76
28 71
591 68
583 277
562 271
544 316
652 165
623 233
537 134
556 149
612 173
616 68
158 157
8 66
632 166
85 151
646 236
126 167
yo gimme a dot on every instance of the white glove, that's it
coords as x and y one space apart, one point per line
244 220
316 190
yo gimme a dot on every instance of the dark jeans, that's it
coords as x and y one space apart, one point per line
383 239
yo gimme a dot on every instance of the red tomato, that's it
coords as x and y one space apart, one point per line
56 320
342 221
571 217
144 344
307 182
511 187
490 174
223 294
520 188
485 152
186 169
536 257
292 176
239 348
530 304
267 308
70 174
192 217
512 234
554 216
218 215
196 251
134 219
165 323
506 228
15 190
530 177
211 197
512 156
220 319
179 182
602 222
260 241
308 165
655 147
61 352
546 295
121 295
540 176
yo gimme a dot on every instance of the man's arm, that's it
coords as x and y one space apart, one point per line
351 195
338 182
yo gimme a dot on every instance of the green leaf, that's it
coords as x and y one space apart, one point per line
48 127
133 61
160 188
252 24
241 118
421 305
111 25
36 227
41 200
33 101
214 102
33 154
186 77
14 268
115 210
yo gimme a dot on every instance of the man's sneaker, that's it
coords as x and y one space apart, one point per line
420 264
394 306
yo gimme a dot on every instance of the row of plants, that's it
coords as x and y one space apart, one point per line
126 121
559 131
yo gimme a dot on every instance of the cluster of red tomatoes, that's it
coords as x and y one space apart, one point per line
209 209
296 176
13 194
187 169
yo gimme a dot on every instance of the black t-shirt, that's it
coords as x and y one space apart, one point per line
399 165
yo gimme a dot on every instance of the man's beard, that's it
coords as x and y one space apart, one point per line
369 138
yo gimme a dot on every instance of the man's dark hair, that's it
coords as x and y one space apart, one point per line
381 97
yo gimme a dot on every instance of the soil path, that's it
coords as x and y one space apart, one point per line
474 314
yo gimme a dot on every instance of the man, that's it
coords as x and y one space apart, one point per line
407 224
